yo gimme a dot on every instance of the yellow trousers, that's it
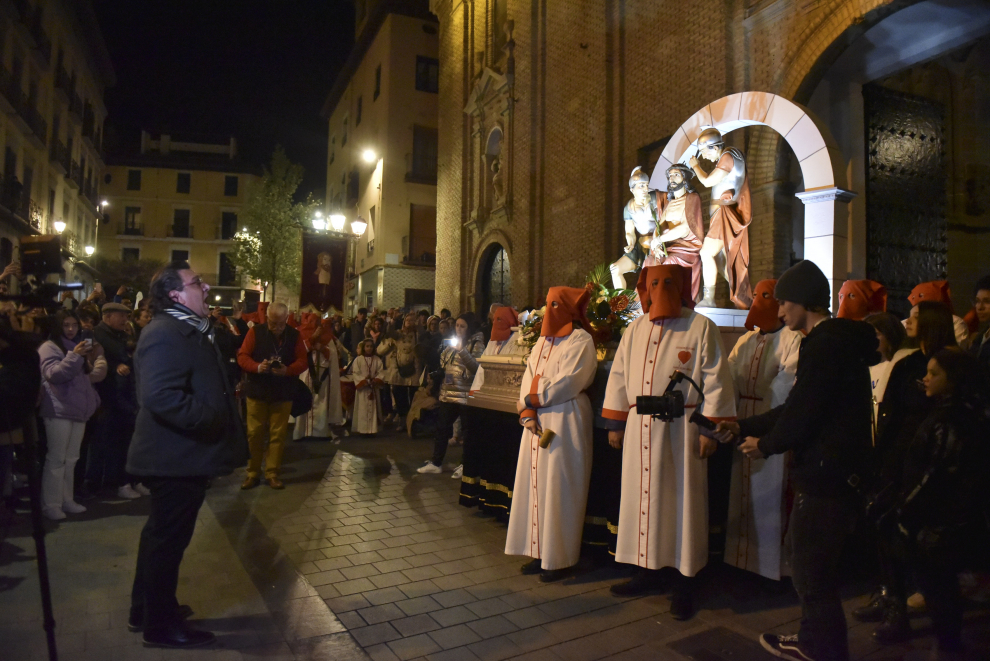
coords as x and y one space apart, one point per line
267 423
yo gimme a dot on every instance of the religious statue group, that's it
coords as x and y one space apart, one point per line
668 227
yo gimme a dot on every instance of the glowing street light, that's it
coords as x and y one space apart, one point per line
217 297
319 224
358 226
89 250
104 203
59 226
369 156
337 221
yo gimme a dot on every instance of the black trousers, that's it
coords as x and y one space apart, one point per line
819 527
175 503
937 573
445 429
403 399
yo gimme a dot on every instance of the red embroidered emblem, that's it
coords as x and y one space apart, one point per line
684 357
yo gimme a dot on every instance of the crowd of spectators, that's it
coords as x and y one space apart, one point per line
402 368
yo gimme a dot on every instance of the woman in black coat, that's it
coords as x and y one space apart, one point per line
940 511
901 411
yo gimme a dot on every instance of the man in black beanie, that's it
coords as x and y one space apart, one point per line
826 423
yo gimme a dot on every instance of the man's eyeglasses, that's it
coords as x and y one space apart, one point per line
198 282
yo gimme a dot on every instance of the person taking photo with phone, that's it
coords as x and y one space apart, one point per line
458 363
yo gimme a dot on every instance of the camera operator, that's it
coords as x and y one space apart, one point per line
663 513
826 421
272 356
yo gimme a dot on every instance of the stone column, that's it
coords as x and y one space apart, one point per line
826 233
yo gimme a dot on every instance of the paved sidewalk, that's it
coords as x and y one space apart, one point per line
361 556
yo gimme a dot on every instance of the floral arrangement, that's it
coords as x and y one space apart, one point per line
529 331
610 310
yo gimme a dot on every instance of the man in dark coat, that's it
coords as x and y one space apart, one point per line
187 431
355 334
826 423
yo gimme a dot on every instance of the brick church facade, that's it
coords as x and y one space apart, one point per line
545 106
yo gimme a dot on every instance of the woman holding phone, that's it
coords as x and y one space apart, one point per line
69 368
459 362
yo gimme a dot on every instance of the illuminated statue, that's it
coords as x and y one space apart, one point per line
677 239
639 216
731 213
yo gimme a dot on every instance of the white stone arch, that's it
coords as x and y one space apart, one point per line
825 213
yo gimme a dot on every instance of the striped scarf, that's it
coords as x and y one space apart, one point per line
182 313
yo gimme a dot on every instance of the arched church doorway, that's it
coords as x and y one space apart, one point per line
907 103
494 278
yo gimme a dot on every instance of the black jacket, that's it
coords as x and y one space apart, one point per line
188 423
902 410
116 391
827 417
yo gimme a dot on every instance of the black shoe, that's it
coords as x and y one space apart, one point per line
682 605
86 492
873 611
895 628
643 581
551 575
532 567
135 622
785 647
177 637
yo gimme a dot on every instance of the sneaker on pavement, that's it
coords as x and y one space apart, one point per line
127 492
429 467
784 647
458 473
72 507
141 489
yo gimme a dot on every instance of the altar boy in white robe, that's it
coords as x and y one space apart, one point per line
551 487
663 514
763 364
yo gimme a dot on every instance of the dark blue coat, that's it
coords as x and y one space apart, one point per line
188 423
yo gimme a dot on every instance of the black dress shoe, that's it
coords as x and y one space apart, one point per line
895 628
682 605
532 567
873 611
643 581
551 575
135 622
178 637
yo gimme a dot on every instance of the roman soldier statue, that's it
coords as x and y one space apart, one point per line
730 215
639 217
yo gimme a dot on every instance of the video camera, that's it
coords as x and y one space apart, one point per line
670 405
41 256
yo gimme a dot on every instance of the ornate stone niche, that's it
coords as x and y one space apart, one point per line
489 106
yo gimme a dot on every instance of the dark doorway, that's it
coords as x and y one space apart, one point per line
905 192
495 278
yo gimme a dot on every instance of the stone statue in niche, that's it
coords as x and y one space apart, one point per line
639 217
730 213
677 239
498 184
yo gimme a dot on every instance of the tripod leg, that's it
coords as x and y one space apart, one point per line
38 527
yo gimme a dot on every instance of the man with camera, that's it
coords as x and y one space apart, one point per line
663 513
272 356
825 421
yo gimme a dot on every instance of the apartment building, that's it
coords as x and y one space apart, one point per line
382 154
178 198
54 70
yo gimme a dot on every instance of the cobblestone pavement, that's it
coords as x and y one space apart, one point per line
362 557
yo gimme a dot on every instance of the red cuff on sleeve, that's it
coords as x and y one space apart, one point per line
527 413
612 414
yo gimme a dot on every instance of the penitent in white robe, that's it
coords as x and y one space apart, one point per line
327 409
551 487
763 369
663 514
367 402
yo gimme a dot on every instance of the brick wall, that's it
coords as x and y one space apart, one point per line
596 81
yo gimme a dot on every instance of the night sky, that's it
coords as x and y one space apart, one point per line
258 70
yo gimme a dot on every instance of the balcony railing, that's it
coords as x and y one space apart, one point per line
76 107
180 231
70 242
63 83
130 230
59 156
34 119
